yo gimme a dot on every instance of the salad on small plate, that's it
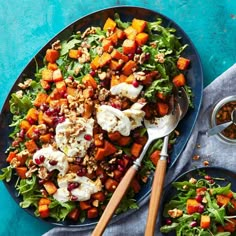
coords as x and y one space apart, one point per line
202 202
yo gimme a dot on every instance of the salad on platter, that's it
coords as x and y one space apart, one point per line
77 124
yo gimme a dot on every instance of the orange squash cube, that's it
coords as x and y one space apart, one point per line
109 25
43 211
50 187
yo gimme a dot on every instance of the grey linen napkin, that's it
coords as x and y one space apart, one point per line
209 149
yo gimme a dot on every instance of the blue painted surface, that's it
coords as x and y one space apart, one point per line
26 25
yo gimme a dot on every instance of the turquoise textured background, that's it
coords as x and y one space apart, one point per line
26 25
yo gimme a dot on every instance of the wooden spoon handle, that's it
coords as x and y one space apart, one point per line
155 198
114 201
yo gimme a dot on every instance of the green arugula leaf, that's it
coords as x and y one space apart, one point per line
221 190
168 228
6 173
161 85
121 24
19 105
59 210
66 46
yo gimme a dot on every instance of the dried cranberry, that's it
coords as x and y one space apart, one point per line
22 133
53 162
200 209
42 181
88 137
44 107
147 56
117 72
37 161
61 119
41 158
211 181
193 224
139 50
130 56
207 177
78 160
70 77
74 198
198 198
112 167
120 168
49 111
31 121
92 73
72 186
81 172
103 178
168 221
126 156
135 83
120 162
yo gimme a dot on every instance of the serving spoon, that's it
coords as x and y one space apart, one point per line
159 175
159 128
217 129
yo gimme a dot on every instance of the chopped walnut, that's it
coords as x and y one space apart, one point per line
44 192
140 75
42 128
153 44
111 174
26 84
85 44
185 187
113 160
89 30
95 203
56 45
43 173
102 75
31 170
19 94
206 163
99 51
103 94
145 179
175 213
160 57
177 133
193 181
14 162
196 157
204 200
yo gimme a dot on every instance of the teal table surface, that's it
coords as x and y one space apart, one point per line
26 25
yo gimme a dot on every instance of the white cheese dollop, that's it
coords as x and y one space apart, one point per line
112 119
74 137
126 90
52 155
83 192
135 114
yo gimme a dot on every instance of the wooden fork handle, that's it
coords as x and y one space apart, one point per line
114 201
155 198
